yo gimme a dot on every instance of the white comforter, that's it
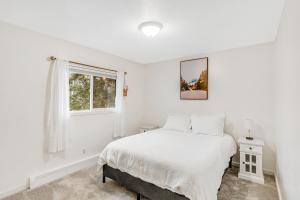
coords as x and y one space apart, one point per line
185 163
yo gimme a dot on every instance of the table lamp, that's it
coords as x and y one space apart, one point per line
248 124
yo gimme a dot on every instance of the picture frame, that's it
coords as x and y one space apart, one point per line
194 79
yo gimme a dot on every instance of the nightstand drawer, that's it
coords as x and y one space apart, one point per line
251 149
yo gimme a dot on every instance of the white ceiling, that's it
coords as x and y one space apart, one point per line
191 27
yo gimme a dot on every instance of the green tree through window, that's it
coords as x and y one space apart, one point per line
103 92
79 91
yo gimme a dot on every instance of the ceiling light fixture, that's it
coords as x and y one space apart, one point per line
151 28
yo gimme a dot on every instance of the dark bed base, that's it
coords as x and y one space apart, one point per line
142 188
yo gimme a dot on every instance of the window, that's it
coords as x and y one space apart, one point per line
104 92
91 90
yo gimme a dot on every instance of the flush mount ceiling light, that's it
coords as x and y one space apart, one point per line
151 28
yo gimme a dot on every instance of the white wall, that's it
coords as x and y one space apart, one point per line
23 75
241 84
288 101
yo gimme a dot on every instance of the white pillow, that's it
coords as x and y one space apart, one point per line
178 123
209 125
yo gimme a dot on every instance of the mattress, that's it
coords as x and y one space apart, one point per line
186 163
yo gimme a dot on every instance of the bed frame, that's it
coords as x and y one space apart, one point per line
140 187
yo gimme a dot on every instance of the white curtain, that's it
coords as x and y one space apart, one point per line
57 112
119 125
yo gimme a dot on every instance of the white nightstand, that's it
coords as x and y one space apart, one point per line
251 160
147 127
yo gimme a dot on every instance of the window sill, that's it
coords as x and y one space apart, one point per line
93 112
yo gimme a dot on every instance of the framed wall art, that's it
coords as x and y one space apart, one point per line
194 79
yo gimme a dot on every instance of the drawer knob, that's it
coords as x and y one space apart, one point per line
250 148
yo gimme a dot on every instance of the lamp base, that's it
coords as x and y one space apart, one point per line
249 138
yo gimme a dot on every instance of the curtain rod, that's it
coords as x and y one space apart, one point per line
51 58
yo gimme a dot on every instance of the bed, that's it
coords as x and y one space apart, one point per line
164 164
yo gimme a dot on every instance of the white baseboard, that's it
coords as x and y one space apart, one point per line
12 191
59 172
269 172
278 187
51 175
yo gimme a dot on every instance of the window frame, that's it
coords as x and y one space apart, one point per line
91 111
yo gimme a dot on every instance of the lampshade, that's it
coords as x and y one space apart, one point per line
248 124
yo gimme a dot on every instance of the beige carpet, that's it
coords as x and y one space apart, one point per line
86 184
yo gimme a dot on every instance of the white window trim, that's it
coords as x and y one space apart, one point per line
91 92
91 110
